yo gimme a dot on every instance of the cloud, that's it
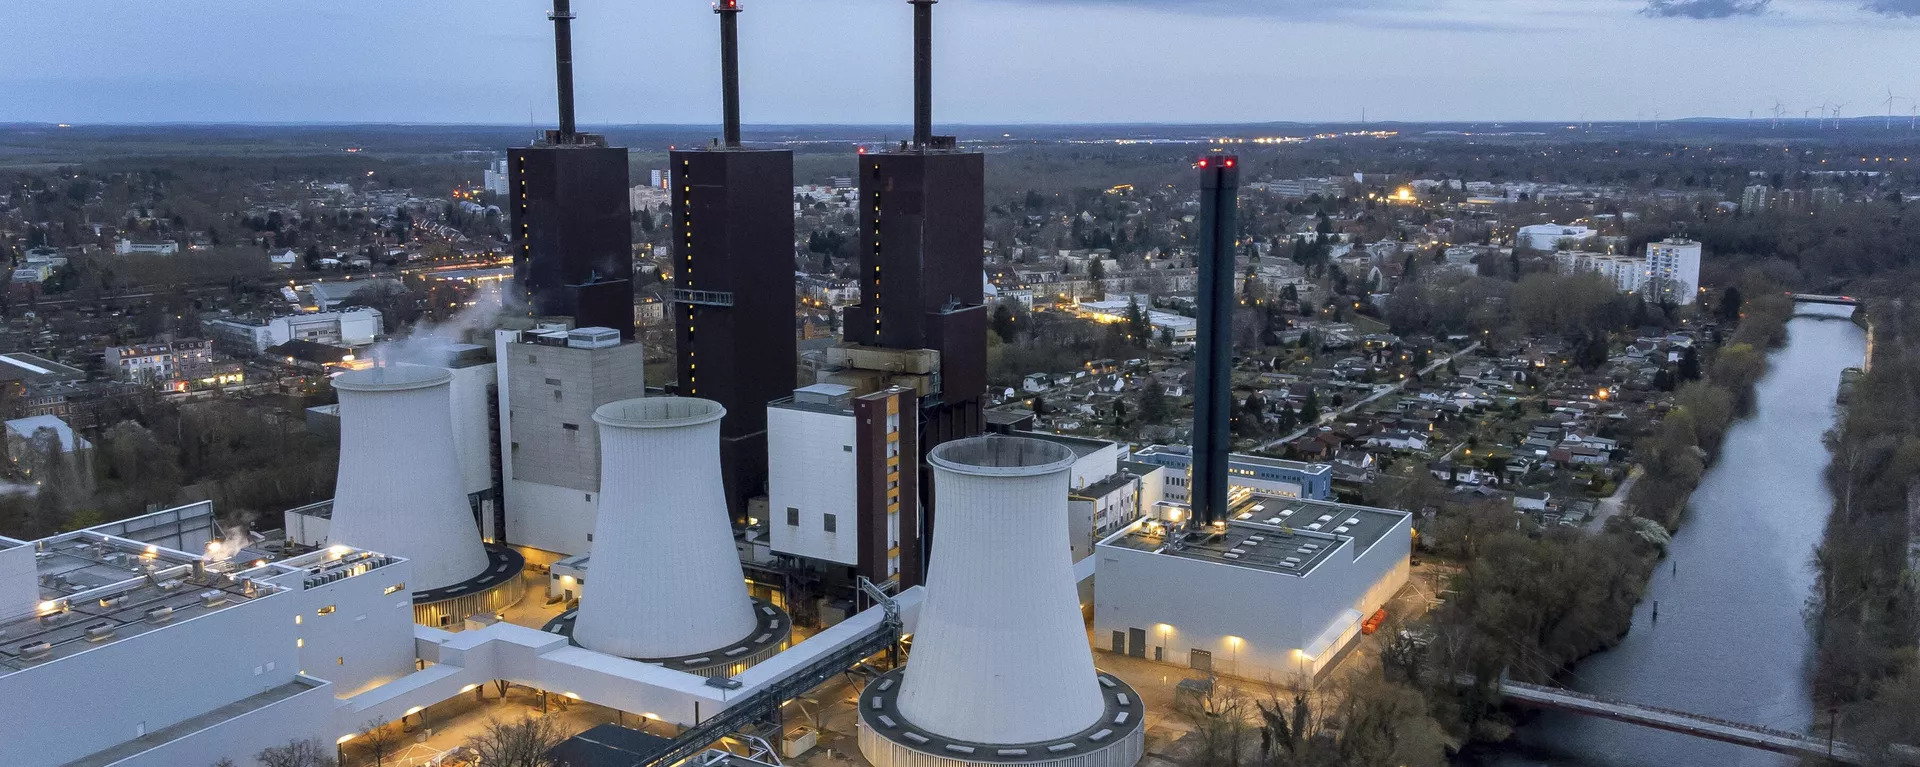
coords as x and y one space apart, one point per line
1893 7
1716 9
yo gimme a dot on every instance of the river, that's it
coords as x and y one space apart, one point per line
1730 641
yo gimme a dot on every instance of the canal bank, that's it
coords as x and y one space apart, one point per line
1729 640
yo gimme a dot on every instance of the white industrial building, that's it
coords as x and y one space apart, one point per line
248 336
841 481
198 659
1182 329
1105 490
1550 237
550 380
1275 593
1255 473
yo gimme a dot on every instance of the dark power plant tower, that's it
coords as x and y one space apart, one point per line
571 220
922 221
733 280
1213 356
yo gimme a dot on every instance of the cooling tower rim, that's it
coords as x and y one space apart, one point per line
1002 456
772 628
658 412
1114 739
393 378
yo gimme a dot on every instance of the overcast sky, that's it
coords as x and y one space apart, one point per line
847 61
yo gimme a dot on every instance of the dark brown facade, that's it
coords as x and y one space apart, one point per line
571 230
887 449
734 298
922 221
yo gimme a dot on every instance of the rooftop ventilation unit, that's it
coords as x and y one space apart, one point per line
213 598
160 614
35 650
593 338
667 582
398 491
1000 658
100 632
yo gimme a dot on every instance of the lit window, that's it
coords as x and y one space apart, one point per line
328 610
394 588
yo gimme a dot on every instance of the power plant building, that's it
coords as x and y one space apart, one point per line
1001 671
844 476
1260 474
668 585
733 290
398 488
134 654
1274 592
570 224
922 265
551 380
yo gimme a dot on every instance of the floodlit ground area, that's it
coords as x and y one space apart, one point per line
831 709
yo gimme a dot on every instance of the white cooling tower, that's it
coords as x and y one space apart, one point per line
398 490
1001 670
665 582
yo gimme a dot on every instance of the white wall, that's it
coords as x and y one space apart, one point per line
550 518
1186 604
1095 466
306 529
19 579
365 640
470 435
306 715
67 708
359 326
811 469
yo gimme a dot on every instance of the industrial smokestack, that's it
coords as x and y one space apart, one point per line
666 581
1000 658
729 11
562 17
398 490
1213 362
922 72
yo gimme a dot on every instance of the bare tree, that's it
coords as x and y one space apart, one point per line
1222 726
378 740
522 743
297 753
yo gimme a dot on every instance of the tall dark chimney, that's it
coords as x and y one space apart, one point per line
729 11
922 72
562 17
1213 358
